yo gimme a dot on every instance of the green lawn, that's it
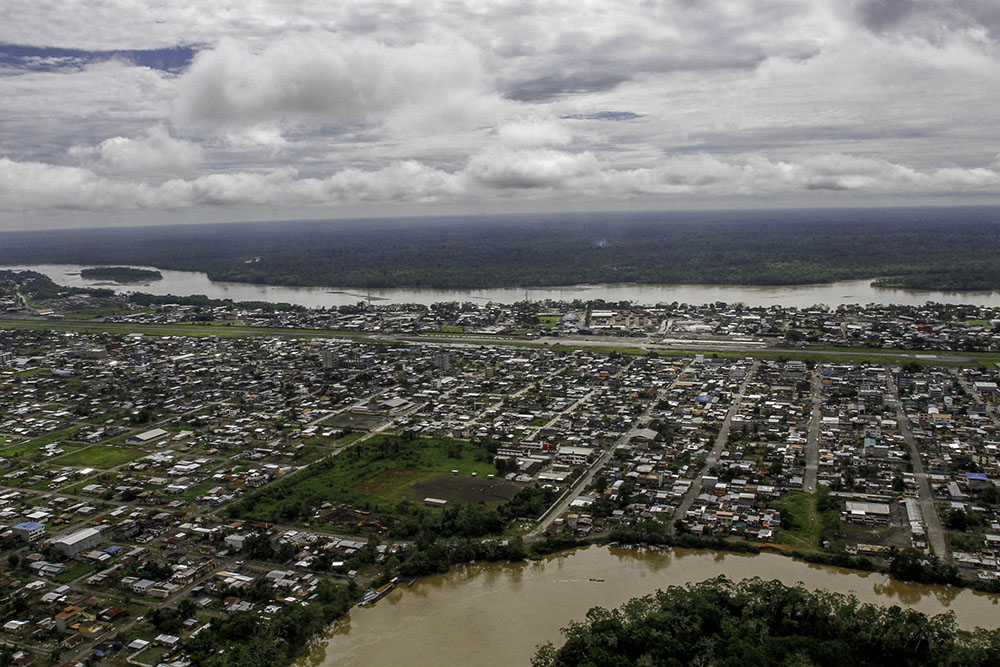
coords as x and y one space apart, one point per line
392 484
310 453
807 529
98 456
345 440
91 313
807 522
197 490
29 447
55 436
75 572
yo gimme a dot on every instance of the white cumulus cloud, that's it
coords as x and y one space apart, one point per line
329 79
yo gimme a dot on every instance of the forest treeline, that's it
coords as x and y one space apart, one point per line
756 622
121 273
931 248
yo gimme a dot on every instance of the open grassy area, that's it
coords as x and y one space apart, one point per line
391 483
803 521
437 481
986 356
31 447
195 329
75 572
375 473
98 456
608 349
197 490
55 436
799 509
102 311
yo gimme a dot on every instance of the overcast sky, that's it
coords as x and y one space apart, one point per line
122 112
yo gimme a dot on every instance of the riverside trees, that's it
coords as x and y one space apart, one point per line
756 622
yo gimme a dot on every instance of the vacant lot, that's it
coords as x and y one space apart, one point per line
803 523
378 473
98 456
36 443
32 449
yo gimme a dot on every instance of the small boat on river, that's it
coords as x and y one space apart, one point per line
373 595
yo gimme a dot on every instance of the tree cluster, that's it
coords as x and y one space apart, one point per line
756 622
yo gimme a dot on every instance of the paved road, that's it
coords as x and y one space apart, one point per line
812 439
976 396
720 443
586 478
935 533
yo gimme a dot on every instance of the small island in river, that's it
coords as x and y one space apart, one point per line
122 274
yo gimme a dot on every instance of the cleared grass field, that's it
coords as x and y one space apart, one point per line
30 448
379 472
806 520
98 456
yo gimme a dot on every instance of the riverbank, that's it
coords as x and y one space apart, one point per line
802 296
907 565
476 613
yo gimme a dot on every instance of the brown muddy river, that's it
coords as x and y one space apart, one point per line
802 296
497 614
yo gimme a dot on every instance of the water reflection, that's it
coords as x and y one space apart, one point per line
652 559
911 594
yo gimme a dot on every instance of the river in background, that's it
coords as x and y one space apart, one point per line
185 283
492 614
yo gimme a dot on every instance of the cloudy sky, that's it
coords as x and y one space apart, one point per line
127 112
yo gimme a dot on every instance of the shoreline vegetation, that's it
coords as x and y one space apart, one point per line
249 640
954 249
757 622
905 565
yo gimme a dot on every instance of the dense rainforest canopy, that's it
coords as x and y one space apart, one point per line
755 622
934 248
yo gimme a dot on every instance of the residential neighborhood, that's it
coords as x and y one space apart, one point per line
135 469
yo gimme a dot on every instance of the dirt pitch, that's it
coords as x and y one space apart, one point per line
465 489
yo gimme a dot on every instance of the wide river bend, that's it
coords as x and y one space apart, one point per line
497 614
184 283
